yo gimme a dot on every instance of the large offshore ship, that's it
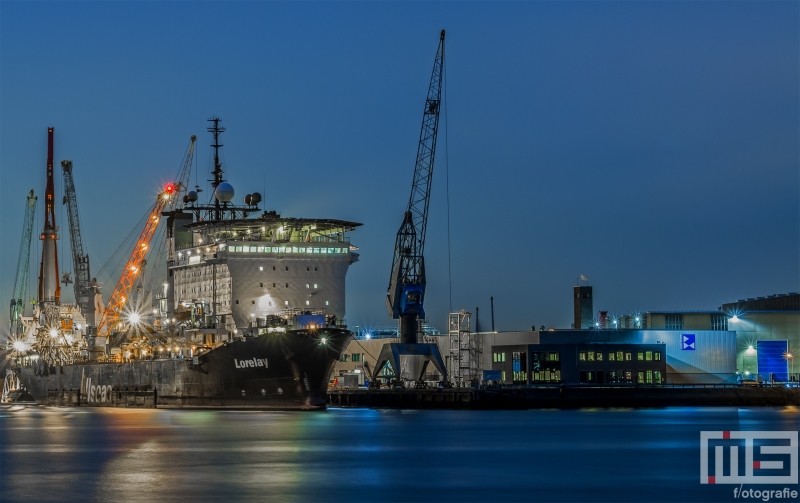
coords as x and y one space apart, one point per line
251 313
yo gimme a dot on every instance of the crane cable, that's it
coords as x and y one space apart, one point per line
447 183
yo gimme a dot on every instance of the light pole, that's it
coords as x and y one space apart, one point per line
790 356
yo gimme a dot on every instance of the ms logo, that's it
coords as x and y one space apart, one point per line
687 342
748 457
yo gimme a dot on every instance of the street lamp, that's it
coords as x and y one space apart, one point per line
790 356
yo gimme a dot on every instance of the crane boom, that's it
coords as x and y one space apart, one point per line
23 265
80 260
407 281
134 265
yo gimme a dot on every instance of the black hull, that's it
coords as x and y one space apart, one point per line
272 371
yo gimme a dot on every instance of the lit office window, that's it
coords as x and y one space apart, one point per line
658 356
640 356
648 355
640 377
619 356
649 377
611 357
590 356
658 376
628 357
599 356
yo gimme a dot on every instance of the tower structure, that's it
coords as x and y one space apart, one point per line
49 288
583 307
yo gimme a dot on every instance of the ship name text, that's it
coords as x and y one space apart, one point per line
252 362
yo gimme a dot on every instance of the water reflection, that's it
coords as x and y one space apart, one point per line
51 454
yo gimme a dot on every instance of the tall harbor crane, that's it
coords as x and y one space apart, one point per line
80 260
406 294
133 267
23 264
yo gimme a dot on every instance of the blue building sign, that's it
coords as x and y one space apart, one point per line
772 360
687 342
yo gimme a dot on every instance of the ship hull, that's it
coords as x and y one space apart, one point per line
272 371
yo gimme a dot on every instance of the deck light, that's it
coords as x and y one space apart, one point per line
324 340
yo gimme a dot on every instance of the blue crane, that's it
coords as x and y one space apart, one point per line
406 294
80 260
23 263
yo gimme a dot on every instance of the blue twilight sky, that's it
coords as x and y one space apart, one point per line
652 146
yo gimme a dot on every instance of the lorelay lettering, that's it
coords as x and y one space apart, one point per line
251 363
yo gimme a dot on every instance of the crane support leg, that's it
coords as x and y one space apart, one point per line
390 354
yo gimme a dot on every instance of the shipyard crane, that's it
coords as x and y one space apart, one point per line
80 260
405 297
134 266
23 264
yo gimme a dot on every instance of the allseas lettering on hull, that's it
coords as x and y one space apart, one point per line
97 393
251 363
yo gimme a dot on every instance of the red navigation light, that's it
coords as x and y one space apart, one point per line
170 188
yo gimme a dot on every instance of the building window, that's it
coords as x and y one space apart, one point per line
719 322
611 357
307 269
619 356
499 357
254 302
285 302
658 376
345 358
356 357
287 267
640 356
648 355
273 285
273 268
307 285
627 357
658 356
649 379
628 376
262 285
640 377
674 321
315 269
583 376
315 285
307 302
599 356
590 356
504 376
552 357
582 357
237 301
287 285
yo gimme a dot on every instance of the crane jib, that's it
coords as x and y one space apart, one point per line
407 280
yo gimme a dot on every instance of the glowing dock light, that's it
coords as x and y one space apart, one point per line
324 340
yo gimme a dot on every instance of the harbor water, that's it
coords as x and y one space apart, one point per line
364 455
